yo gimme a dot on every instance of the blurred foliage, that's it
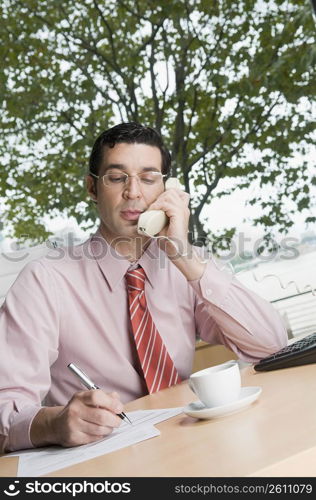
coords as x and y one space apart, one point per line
230 85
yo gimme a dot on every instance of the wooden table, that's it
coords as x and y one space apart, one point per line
274 436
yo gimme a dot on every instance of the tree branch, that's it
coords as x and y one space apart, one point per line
207 149
260 120
136 14
151 38
153 88
108 27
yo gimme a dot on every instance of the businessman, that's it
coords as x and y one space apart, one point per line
124 307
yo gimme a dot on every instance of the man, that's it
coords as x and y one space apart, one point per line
100 303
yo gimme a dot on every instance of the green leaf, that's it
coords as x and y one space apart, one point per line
237 104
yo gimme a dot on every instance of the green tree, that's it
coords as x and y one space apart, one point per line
230 85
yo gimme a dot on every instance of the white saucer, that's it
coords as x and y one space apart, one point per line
247 396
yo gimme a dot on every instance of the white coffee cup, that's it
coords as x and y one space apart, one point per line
217 385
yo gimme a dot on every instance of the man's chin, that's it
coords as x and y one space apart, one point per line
129 230
124 231
130 227
132 232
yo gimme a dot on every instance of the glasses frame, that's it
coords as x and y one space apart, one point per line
127 177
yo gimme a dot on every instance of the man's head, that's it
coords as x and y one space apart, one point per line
128 165
130 133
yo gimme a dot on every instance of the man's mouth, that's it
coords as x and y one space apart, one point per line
130 214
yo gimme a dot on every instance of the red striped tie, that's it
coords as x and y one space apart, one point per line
158 368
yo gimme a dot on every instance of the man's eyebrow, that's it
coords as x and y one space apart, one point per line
120 166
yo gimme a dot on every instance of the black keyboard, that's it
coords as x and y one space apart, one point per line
301 352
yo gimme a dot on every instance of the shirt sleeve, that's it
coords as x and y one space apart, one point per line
29 329
228 313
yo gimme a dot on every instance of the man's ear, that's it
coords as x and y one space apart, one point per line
91 188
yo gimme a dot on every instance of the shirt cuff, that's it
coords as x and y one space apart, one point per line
213 285
19 434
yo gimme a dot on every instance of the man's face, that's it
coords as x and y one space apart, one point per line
120 205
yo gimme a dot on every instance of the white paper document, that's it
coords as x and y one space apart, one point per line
40 461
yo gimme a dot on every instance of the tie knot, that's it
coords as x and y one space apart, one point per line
136 279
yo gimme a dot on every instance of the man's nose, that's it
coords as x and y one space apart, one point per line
132 187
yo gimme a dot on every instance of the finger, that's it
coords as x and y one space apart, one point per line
114 395
175 194
82 439
92 429
85 435
103 400
100 416
185 196
96 437
178 199
171 209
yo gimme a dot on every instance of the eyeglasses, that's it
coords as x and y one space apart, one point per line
112 179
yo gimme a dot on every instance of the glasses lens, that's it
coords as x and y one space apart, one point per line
115 178
120 178
150 177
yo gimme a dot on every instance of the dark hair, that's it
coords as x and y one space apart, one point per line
129 132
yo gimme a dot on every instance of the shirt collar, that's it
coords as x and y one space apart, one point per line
114 265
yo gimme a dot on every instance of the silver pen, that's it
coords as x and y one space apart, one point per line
87 382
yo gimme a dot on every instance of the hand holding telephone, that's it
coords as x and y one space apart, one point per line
151 222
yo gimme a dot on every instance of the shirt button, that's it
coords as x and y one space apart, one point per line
208 291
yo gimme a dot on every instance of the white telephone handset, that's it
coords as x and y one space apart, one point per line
151 222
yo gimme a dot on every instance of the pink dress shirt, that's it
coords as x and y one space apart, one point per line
72 306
